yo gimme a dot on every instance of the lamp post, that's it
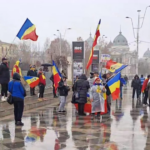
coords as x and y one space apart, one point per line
60 51
138 29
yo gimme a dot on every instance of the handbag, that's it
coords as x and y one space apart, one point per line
75 96
10 98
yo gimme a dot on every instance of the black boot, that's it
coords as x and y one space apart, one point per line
19 123
82 110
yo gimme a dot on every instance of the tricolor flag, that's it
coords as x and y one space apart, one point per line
56 75
27 31
32 81
115 67
97 34
114 86
144 85
88 106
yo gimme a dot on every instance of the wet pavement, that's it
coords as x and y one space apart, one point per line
44 129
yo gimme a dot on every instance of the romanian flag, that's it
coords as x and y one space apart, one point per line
114 86
144 85
115 67
97 34
56 75
27 31
32 81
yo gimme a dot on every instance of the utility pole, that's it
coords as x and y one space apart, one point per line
138 29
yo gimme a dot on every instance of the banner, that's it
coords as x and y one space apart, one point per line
77 68
78 50
105 57
95 67
96 57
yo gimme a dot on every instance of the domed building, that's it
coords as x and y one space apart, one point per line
147 54
120 52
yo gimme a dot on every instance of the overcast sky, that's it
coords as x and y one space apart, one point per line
80 15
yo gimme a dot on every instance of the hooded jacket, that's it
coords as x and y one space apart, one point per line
82 86
16 88
4 74
16 69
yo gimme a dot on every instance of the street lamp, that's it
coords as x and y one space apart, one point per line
60 43
138 28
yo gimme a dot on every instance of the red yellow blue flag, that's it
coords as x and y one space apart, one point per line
114 86
27 31
115 67
32 81
97 34
56 75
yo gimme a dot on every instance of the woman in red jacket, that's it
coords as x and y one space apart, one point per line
42 84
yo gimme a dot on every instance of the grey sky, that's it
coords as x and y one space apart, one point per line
80 15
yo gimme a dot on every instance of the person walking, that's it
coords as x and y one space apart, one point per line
4 78
96 98
33 73
18 93
42 83
145 90
63 90
136 84
54 91
81 87
142 79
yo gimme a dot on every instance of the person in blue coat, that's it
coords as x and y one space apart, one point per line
18 93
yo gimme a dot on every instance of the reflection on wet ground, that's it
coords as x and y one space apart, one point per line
127 129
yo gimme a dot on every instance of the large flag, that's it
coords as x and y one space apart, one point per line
27 31
56 75
88 107
97 34
32 81
115 67
114 86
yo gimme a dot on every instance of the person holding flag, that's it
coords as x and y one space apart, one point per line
96 97
42 83
33 73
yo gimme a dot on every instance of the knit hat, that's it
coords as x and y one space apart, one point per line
96 79
4 58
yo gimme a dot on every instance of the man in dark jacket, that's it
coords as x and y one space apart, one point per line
81 86
33 73
4 78
52 79
136 83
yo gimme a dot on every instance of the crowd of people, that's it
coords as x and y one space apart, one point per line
95 86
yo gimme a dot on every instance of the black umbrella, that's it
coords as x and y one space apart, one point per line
47 65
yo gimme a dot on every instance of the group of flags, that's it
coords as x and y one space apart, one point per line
28 31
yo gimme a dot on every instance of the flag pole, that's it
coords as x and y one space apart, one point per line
10 46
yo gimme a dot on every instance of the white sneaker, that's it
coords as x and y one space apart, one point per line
3 99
